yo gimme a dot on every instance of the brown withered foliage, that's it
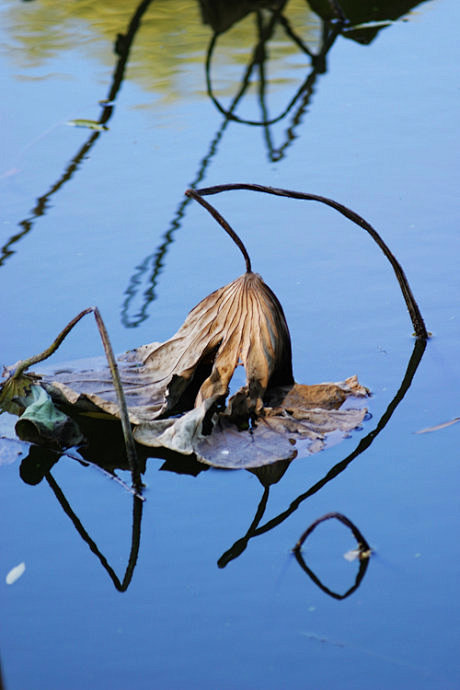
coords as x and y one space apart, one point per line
177 392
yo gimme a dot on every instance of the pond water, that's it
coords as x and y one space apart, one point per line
197 586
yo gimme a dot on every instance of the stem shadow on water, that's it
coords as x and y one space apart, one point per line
40 462
303 95
334 22
144 281
146 276
122 48
255 530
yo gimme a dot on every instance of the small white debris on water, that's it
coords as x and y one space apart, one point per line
351 555
225 452
15 573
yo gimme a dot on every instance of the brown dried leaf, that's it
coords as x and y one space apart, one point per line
327 396
88 386
175 391
242 321
275 438
278 434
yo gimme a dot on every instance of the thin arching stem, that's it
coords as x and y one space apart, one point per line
124 416
412 306
192 193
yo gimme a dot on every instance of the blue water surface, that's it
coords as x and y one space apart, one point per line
214 597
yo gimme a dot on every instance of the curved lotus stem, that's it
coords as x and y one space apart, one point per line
412 306
193 194
23 365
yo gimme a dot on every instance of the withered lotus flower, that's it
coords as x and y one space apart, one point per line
177 392
241 322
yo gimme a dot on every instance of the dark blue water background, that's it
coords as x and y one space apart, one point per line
83 217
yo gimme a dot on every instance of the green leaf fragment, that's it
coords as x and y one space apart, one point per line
41 421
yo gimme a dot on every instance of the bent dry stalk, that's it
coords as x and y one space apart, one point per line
125 423
412 306
193 194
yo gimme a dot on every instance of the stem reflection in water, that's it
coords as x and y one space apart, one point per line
120 585
363 553
153 264
336 19
122 48
254 530
40 462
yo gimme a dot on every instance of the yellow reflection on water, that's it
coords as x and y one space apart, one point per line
172 34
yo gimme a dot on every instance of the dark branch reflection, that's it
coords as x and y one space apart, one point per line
336 19
107 450
363 565
318 61
255 530
363 553
37 465
122 48
120 585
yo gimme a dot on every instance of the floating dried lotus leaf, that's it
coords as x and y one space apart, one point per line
279 434
327 396
88 387
175 391
275 437
242 321
227 447
272 440
314 424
